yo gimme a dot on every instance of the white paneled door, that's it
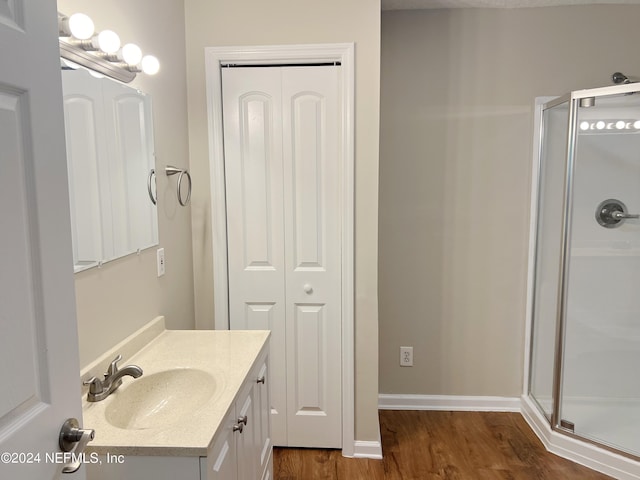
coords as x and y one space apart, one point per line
282 168
38 341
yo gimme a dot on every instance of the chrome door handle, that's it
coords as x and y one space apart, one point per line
623 215
71 435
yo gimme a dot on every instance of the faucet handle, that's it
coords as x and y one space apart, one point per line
95 385
113 367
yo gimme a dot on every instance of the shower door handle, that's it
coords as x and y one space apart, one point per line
623 215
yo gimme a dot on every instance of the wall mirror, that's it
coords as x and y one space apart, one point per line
110 160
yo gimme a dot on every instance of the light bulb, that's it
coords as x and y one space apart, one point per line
81 26
131 54
584 126
65 64
620 124
636 124
150 65
108 41
600 125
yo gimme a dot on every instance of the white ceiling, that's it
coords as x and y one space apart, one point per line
420 4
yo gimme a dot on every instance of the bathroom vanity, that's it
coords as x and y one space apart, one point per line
200 411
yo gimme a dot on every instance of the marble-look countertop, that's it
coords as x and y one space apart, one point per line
228 356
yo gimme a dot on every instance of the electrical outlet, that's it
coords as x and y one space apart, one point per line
160 259
406 356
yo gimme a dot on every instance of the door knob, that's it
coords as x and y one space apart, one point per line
308 288
71 435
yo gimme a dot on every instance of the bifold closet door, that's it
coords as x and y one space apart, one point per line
311 135
282 167
252 113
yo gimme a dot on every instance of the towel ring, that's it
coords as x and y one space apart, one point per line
153 197
186 202
171 170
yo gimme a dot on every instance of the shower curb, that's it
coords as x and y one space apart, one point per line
591 456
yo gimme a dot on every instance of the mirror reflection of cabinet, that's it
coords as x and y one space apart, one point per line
110 154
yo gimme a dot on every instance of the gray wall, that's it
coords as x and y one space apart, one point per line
457 90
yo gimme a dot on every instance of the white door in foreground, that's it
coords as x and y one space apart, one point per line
38 334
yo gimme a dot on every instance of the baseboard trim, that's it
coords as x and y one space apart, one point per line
365 449
368 448
459 403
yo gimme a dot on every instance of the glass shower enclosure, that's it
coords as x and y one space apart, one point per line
584 368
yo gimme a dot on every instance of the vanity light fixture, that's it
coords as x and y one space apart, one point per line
78 25
100 51
610 126
108 41
131 54
150 65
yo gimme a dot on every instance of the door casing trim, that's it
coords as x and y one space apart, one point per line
265 54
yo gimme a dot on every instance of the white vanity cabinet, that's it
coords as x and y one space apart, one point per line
227 439
242 449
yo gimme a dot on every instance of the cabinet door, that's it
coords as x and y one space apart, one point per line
143 468
222 459
268 471
247 442
244 454
262 409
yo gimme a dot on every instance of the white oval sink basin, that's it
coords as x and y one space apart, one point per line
160 399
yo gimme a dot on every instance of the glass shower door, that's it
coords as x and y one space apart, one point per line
600 389
555 124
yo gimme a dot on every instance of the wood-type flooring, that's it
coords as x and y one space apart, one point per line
430 445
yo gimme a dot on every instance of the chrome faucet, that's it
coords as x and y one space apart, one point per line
101 389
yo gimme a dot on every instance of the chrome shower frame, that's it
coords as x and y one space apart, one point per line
574 101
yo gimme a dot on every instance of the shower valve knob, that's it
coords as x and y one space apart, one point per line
611 213
622 215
